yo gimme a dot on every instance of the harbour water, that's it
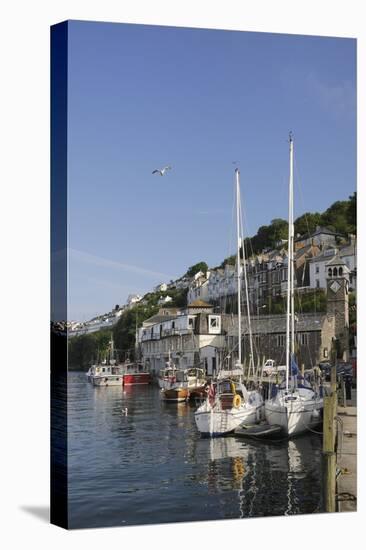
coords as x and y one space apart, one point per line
152 466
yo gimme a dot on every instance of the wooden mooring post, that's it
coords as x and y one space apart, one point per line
329 443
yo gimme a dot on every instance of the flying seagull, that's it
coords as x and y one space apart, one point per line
162 171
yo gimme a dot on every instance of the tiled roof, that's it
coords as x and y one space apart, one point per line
336 260
269 324
199 303
158 319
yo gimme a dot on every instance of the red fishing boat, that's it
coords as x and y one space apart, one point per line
135 374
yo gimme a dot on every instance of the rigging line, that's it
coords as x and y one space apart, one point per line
247 243
251 359
299 186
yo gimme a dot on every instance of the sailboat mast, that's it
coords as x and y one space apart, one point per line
111 351
238 261
292 248
289 343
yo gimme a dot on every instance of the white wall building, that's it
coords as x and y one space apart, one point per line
133 299
318 264
188 339
162 287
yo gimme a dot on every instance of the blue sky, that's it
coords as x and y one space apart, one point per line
141 97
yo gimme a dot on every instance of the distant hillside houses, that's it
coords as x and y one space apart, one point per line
133 299
108 320
322 236
267 272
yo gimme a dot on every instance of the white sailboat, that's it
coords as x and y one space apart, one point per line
296 407
229 404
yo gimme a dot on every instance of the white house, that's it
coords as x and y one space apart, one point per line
322 236
318 264
133 299
188 338
162 287
164 300
317 267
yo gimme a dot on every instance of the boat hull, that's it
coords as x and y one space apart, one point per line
175 394
107 381
296 413
215 423
132 379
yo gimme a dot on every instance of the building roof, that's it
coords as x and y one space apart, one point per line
326 254
336 260
199 304
348 250
320 230
155 319
273 324
309 248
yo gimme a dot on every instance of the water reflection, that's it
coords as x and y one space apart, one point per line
152 466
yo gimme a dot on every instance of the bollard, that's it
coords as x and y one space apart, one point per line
329 445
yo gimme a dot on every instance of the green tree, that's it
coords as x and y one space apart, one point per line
200 266
87 348
336 217
278 231
352 213
307 223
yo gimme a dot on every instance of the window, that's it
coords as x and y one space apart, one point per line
317 283
190 322
317 269
173 324
304 338
335 272
330 272
213 322
340 272
280 340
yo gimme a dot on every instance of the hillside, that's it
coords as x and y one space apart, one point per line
339 217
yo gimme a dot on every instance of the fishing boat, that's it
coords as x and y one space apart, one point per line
296 406
196 382
108 373
229 403
135 374
167 374
177 389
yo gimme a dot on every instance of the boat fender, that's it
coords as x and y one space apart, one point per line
236 401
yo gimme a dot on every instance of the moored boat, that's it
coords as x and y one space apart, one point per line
229 403
107 373
135 374
107 376
296 405
176 389
197 383
167 374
